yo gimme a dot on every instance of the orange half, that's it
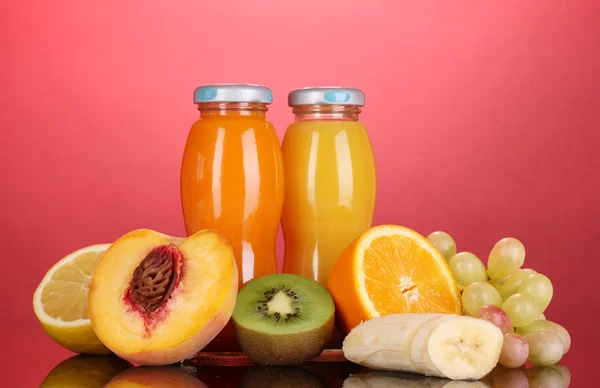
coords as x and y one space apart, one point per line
391 270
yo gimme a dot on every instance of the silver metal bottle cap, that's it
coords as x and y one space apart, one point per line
233 93
326 96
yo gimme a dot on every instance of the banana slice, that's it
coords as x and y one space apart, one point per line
385 341
442 345
465 347
419 351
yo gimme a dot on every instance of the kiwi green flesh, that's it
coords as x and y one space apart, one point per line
283 349
283 304
283 319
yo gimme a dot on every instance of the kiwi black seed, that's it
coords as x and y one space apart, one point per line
283 319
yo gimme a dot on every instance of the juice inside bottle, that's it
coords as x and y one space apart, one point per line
232 179
330 179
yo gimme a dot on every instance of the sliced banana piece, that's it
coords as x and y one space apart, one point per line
442 345
419 352
465 347
385 342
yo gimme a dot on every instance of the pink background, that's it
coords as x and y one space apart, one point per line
484 118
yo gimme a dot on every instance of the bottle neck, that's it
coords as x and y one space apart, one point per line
326 112
216 109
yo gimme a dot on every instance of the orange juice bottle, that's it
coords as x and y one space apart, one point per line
232 178
330 179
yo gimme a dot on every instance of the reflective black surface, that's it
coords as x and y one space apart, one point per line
99 371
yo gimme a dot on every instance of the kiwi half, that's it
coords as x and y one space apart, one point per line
283 319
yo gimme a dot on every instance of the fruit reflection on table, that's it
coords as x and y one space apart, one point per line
77 371
85 371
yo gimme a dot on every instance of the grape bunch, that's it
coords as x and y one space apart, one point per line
509 296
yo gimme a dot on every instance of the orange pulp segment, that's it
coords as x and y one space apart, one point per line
388 270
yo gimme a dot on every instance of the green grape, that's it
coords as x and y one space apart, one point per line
539 287
495 283
444 243
521 309
467 268
506 257
477 295
545 348
544 325
510 284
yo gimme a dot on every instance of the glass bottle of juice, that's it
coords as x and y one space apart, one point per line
232 179
330 179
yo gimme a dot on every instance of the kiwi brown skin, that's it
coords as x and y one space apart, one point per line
284 349
281 377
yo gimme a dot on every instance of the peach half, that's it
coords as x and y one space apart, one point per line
156 299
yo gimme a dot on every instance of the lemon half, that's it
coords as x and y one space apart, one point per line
61 301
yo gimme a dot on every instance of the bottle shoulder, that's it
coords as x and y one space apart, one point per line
326 125
233 123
